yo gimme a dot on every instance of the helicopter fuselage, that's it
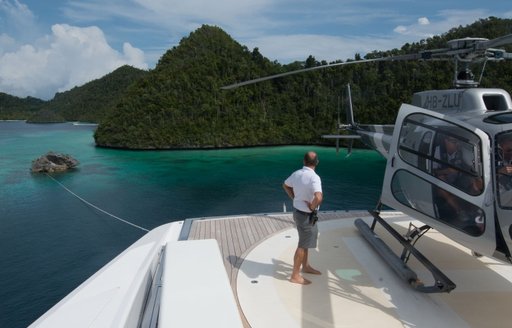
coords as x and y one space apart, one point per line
444 165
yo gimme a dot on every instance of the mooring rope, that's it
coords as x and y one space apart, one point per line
96 207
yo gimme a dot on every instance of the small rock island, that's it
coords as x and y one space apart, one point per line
53 162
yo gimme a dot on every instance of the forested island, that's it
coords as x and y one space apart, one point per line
87 103
180 104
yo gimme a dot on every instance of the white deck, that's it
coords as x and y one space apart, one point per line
357 289
195 288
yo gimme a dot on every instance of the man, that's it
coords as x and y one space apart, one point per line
448 151
505 154
455 171
304 187
504 169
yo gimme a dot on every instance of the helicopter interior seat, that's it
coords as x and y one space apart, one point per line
458 213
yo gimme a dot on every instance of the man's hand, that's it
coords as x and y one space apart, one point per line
317 200
507 169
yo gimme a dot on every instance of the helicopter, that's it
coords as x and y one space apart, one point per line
449 160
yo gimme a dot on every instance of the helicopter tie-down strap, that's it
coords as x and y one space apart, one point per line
442 282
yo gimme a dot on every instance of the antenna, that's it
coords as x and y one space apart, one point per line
350 110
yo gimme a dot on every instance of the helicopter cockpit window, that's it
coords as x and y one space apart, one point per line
444 150
504 169
409 189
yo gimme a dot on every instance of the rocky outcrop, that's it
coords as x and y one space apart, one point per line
54 162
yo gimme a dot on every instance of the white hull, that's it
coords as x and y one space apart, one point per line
356 288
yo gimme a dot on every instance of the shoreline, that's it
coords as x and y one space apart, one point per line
142 149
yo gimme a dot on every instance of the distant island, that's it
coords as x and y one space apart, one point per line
88 103
180 105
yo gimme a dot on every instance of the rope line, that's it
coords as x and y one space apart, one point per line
96 207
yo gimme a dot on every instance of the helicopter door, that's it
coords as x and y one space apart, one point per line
438 171
503 176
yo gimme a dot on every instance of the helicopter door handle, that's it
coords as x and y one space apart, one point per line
393 161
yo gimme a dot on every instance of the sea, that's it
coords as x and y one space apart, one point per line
51 241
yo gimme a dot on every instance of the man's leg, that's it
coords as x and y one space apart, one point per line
298 259
305 264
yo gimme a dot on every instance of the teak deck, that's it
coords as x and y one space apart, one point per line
237 235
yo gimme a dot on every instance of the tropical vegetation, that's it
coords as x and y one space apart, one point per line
180 103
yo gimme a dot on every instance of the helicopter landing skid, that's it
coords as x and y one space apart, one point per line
442 282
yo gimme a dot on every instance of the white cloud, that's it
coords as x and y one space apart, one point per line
70 56
423 21
17 12
283 30
441 23
176 17
287 48
6 43
401 29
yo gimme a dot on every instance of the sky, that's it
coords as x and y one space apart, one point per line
54 45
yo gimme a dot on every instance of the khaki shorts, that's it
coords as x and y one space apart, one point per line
308 233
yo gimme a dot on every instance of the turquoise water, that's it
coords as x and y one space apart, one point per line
50 242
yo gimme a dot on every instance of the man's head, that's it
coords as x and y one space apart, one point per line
505 148
451 144
310 159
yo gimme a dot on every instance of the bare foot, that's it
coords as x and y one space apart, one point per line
300 280
311 270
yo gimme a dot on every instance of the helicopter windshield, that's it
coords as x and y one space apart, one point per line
504 169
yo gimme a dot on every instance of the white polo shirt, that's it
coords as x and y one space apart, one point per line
305 182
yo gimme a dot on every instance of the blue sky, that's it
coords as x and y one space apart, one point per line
52 46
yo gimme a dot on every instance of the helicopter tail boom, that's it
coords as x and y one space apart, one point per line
374 136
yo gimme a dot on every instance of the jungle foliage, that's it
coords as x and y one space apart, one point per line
15 108
180 103
92 101
87 103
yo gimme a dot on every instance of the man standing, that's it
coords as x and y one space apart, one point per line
304 187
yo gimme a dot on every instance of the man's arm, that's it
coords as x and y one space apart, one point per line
289 191
317 200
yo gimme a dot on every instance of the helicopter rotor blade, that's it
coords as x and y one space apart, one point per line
271 77
425 55
502 40
466 50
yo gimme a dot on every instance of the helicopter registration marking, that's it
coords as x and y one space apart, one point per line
442 101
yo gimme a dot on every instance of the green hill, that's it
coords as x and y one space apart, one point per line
15 108
179 104
90 102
